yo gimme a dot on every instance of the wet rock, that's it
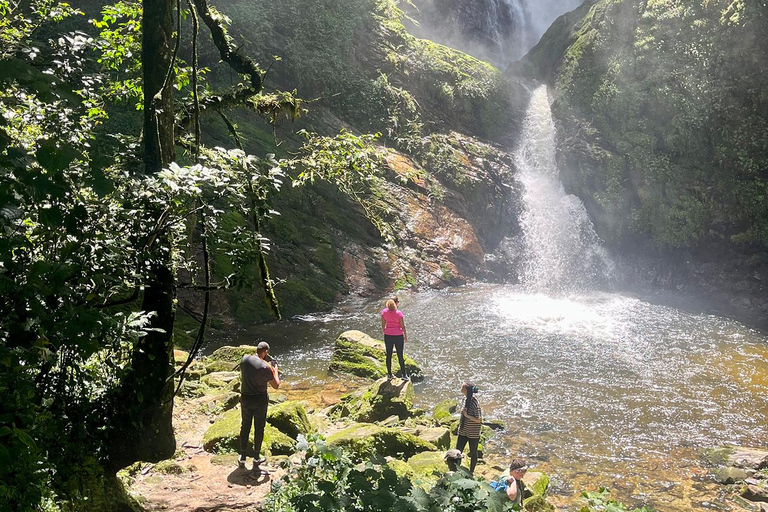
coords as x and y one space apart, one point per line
289 418
358 354
729 475
364 440
749 458
755 493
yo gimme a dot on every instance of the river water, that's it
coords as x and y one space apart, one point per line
598 388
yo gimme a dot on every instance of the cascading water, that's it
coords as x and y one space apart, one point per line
562 250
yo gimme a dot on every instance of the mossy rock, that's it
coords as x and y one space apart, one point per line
192 389
428 466
401 468
220 379
358 354
715 456
212 366
383 399
224 436
536 482
444 410
538 503
438 436
364 440
170 467
289 418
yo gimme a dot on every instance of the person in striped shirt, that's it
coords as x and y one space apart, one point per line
470 424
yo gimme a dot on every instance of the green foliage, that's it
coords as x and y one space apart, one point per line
326 479
600 502
671 145
353 165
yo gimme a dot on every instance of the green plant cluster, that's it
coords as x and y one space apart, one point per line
663 113
326 479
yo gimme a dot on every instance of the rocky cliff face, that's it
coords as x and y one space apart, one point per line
662 112
444 119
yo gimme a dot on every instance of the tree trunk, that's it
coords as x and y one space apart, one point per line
141 428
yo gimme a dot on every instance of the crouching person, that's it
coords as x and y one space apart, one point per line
513 484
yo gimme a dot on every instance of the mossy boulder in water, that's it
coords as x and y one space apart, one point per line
224 436
383 399
359 354
364 440
289 418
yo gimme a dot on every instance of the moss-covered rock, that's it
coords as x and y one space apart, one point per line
428 465
219 379
359 354
536 482
401 468
231 354
438 436
383 399
224 435
364 440
444 410
289 418
538 503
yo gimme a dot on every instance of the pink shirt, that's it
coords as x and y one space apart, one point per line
392 318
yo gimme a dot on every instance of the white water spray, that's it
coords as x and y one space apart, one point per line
562 250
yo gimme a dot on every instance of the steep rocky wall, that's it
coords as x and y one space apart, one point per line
662 113
444 119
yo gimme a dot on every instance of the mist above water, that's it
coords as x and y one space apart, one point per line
500 31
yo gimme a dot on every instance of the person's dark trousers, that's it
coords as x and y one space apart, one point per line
398 343
461 442
254 409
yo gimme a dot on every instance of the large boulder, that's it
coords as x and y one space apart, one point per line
359 354
438 436
224 436
383 399
364 440
289 418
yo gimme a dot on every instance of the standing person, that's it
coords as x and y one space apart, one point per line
470 424
256 374
395 335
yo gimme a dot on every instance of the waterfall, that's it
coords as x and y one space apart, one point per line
562 252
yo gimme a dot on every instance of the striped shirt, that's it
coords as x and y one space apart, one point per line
469 428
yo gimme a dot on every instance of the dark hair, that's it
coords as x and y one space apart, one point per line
471 390
517 464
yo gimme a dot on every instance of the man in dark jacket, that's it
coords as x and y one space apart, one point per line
256 373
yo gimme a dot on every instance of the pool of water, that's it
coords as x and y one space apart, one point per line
596 388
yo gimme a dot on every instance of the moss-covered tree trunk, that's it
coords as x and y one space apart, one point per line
142 429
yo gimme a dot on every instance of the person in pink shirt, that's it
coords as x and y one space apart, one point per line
395 335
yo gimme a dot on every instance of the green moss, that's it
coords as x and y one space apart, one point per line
445 409
367 359
364 440
428 466
223 436
289 418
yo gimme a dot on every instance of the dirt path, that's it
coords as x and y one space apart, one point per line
213 482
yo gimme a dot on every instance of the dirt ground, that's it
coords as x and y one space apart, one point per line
214 482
